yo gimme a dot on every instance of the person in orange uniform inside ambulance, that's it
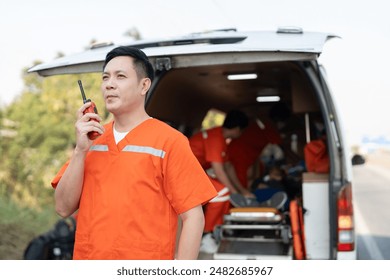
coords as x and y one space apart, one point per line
210 147
131 183
244 151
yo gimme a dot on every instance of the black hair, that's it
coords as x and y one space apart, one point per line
280 112
235 118
142 65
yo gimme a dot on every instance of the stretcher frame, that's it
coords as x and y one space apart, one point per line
254 233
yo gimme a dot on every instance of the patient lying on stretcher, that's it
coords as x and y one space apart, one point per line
270 191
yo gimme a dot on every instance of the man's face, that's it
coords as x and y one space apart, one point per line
122 90
235 132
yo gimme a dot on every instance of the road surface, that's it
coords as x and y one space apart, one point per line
372 215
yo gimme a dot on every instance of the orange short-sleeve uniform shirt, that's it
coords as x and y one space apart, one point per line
244 150
209 146
133 192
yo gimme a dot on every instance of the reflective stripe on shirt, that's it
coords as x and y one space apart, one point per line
145 150
99 148
260 124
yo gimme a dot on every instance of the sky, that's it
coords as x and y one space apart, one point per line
357 63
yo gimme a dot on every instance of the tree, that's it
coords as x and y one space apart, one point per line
42 119
133 33
45 116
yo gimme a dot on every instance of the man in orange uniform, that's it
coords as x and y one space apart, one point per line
245 150
131 183
209 147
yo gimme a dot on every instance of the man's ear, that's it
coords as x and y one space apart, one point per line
146 83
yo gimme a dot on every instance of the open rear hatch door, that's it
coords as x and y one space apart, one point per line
201 49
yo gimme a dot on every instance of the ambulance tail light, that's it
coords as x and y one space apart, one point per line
346 228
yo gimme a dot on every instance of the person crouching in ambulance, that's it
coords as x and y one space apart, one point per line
210 148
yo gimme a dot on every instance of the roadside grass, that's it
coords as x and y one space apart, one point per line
19 225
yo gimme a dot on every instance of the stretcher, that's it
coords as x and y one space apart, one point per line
254 233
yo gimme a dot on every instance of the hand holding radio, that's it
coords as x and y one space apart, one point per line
91 109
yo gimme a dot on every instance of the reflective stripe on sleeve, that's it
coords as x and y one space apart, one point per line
145 150
221 197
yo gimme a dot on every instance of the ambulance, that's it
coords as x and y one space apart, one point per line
213 72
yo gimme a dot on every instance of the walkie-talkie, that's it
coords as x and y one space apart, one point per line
91 109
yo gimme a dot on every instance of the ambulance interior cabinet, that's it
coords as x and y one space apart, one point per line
315 192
